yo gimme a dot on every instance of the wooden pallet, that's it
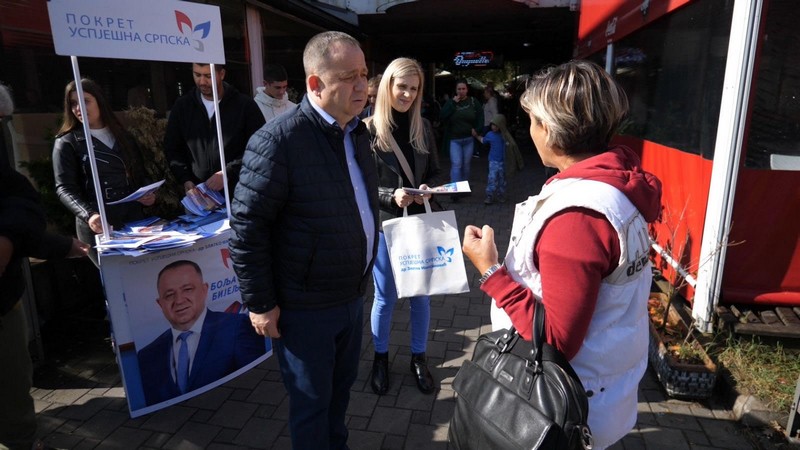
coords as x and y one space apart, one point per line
777 322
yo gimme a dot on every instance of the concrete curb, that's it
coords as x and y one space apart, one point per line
748 409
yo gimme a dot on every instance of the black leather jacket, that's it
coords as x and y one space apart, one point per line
73 175
390 178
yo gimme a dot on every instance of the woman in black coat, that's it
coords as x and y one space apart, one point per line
399 131
119 165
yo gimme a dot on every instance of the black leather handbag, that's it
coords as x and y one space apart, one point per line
511 396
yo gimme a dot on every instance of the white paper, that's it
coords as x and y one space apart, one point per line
141 192
449 188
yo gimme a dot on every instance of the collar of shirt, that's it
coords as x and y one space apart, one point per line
329 118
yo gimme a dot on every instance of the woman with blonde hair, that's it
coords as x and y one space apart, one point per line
580 246
405 154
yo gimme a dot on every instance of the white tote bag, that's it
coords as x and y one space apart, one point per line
425 253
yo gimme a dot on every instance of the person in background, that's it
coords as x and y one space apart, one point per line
372 92
489 107
22 234
304 236
399 131
462 115
580 245
120 167
498 139
190 142
272 98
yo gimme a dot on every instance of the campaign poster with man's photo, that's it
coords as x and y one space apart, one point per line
178 323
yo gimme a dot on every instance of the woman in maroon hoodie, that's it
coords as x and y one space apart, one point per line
581 245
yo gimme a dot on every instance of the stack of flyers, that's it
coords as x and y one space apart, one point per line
170 240
201 200
191 222
136 244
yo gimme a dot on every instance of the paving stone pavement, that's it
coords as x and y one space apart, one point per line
81 404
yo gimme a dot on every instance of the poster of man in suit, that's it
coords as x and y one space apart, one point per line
201 346
179 323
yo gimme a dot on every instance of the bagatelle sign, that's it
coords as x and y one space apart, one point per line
155 30
473 59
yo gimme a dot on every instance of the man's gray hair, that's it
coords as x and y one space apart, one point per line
315 55
6 101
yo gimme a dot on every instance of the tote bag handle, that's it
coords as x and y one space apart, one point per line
427 207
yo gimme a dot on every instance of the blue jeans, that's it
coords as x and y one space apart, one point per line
383 306
496 184
461 158
318 354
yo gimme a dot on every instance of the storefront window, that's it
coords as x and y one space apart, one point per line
672 71
774 137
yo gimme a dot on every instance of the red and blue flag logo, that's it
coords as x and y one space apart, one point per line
195 33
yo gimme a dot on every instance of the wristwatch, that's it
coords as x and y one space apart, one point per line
489 273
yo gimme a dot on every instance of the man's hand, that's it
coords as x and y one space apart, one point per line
266 324
214 182
479 247
188 186
78 249
95 223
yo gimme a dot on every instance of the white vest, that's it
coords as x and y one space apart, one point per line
613 356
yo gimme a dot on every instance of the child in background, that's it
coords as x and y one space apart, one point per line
497 138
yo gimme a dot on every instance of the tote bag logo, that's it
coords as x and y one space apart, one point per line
195 33
440 259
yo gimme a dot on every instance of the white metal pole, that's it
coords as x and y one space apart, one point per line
101 208
219 141
727 152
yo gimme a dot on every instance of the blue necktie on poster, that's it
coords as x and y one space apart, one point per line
183 362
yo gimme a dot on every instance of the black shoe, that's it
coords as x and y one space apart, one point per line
419 367
380 374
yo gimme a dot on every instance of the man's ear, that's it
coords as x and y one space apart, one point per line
315 84
221 74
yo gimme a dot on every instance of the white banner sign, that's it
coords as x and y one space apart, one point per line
156 30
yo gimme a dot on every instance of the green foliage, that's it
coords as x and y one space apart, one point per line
149 133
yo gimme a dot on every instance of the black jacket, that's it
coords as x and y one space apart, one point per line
118 177
190 142
390 175
297 238
23 222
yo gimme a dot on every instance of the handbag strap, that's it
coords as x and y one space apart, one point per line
541 351
402 160
537 332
